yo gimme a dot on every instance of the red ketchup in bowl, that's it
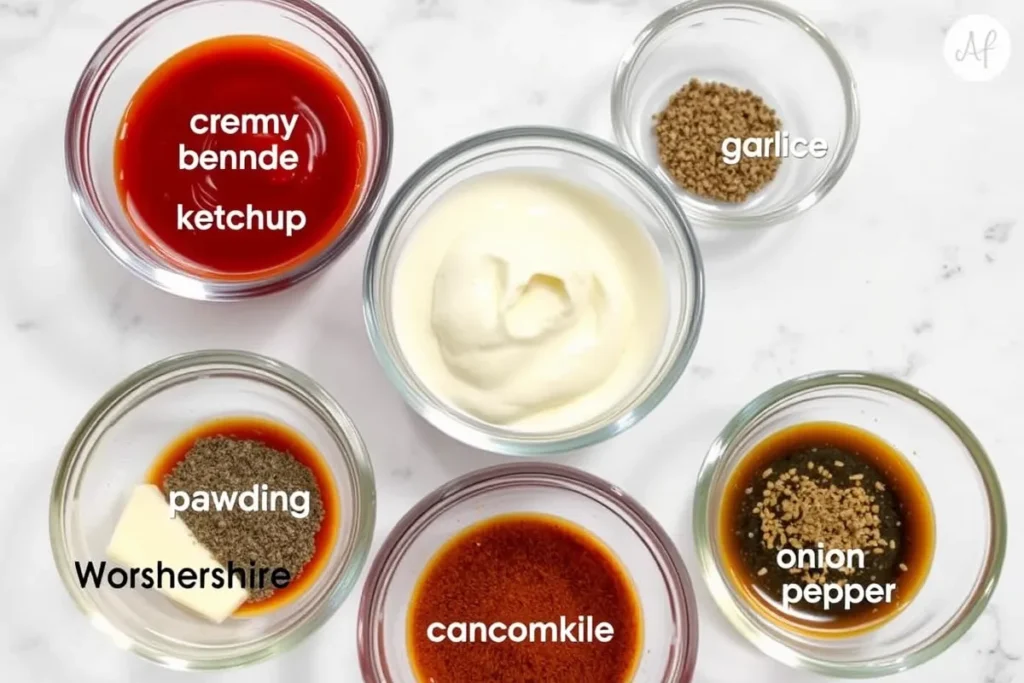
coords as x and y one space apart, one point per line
240 157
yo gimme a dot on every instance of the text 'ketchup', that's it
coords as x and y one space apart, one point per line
240 157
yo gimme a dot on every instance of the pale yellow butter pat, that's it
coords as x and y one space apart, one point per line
146 534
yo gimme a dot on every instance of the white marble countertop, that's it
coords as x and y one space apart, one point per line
914 265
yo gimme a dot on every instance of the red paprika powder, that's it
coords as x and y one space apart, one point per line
533 570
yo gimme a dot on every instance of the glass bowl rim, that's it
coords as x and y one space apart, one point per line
422 181
602 492
196 365
840 160
78 124
984 585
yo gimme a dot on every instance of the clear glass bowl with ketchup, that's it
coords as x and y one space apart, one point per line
125 437
224 150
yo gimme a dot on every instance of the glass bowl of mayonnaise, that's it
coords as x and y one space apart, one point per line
533 290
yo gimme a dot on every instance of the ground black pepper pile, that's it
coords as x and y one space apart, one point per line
271 539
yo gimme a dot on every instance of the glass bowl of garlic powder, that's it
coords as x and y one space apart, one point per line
744 108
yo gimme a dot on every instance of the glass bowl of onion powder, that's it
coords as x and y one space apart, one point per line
850 524
744 107
204 461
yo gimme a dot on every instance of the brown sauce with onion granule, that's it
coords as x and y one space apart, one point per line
269 443
839 485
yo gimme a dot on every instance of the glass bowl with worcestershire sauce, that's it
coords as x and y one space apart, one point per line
757 45
522 544
850 461
152 421
248 198
533 290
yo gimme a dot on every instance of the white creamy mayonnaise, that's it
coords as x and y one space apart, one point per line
529 301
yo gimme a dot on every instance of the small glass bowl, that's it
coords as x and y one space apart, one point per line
120 438
970 520
577 158
669 650
752 44
150 37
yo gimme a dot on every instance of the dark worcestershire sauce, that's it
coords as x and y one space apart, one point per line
524 568
839 486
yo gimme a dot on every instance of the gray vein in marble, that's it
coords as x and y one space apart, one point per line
951 268
922 327
906 370
123 318
911 366
402 473
24 21
1000 662
20 10
28 643
702 371
999 232
787 342
433 9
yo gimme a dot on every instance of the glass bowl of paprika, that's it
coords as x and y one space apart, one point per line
517 549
